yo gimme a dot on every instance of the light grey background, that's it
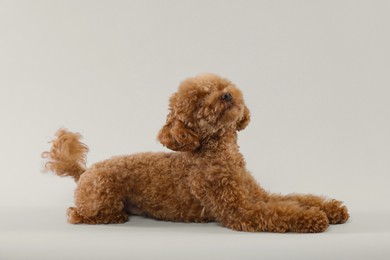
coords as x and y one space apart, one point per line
315 75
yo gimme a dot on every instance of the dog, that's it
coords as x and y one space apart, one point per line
205 179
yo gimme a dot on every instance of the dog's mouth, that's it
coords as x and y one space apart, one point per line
230 113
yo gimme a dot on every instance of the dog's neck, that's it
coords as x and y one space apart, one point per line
223 147
225 142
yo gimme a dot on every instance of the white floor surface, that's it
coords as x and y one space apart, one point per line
43 233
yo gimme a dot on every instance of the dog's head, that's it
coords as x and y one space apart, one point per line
203 106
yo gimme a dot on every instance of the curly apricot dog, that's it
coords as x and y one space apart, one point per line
205 180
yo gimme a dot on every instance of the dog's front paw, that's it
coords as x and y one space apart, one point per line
311 220
337 213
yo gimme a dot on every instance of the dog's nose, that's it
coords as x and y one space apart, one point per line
227 97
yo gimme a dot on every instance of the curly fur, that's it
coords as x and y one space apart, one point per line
67 155
204 180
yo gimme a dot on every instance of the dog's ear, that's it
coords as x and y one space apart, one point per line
244 121
176 136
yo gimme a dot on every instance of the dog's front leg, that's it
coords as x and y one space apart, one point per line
225 197
337 212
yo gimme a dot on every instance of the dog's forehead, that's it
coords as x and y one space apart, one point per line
211 83
204 84
214 86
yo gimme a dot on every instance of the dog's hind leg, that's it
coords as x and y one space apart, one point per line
99 200
76 217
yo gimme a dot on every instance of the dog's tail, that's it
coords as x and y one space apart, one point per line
67 156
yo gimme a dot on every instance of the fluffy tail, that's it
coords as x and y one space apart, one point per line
67 156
